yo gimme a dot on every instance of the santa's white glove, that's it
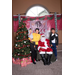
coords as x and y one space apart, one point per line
38 48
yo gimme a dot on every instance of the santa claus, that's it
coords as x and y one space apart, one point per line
44 48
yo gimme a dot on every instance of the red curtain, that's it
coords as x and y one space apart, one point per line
59 22
15 23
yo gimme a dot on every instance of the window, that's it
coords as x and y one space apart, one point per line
36 11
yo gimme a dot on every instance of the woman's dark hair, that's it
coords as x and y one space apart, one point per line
37 29
52 29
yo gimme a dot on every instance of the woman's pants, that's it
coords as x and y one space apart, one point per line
38 55
33 52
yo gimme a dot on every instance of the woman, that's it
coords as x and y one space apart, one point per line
36 38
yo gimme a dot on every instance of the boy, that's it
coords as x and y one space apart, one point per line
54 41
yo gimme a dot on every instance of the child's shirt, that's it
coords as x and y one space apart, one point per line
30 36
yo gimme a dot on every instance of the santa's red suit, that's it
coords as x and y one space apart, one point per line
44 47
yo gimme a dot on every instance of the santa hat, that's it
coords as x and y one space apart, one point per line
42 34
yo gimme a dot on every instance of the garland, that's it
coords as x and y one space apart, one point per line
42 18
24 55
15 19
24 19
22 31
22 47
21 40
32 19
50 18
58 18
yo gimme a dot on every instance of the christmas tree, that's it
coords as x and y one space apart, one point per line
22 44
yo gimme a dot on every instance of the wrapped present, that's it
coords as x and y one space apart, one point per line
13 60
29 61
23 62
16 61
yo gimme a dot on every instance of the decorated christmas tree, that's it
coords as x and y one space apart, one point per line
22 44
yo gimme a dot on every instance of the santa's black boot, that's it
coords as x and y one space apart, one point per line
43 58
49 59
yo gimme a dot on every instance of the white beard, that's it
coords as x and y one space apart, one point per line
42 39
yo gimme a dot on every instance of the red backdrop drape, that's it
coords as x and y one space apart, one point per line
59 22
15 23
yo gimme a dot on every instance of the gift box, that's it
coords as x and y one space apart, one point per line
13 60
16 61
23 62
29 60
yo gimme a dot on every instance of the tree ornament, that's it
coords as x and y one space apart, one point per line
21 19
24 33
18 45
28 45
15 55
24 41
17 37
24 36
15 44
21 43
22 26
18 53
17 34
19 27
25 53
22 50
19 48
22 30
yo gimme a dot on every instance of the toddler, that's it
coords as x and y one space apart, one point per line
31 36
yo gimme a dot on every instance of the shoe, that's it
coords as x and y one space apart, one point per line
44 61
38 59
56 59
34 63
48 59
35 60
